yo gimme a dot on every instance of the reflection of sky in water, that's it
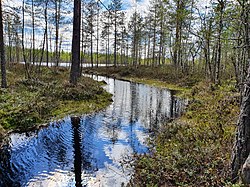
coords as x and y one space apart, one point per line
102 140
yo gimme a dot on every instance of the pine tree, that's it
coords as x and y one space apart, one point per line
117 17
135 27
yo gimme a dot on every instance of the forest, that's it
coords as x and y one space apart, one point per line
176 71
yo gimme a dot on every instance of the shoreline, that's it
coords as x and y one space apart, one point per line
202 136
29 105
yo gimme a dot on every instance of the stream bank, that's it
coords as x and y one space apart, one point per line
195 149
91 150
28 104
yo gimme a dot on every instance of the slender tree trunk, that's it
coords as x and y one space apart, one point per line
41 59
27 74
33 33
115 58
10 43
57 19
148 56
82 38
50 44
108 38
154 37
218 61
161 42
127 47
91 44
139 53
97 39
134 47
17 48
106 45
3 62
46 32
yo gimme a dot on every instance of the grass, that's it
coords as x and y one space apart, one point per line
26 104
195 149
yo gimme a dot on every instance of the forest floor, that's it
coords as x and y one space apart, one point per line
195 149
28 104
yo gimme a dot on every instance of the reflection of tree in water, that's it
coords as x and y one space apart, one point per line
134 102
134 114
158 114
75 121
7 176
88 130
151 120
114 124
175 107
83 146
113 129
171 110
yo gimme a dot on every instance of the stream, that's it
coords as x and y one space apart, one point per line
90 150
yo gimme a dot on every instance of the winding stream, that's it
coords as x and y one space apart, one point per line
89 151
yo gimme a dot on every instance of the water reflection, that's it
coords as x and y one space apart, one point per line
75 121
88 151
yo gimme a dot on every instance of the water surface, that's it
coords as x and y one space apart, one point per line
89 151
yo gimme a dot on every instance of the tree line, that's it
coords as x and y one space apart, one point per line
212 39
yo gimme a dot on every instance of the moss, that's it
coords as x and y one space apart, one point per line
28 103
82 107
195 149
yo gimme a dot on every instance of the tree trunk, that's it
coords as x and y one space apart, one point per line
27 74
108 38
57 18
154 37
115 41
218 61
46 32
161 42
241 147
75 67
91 44
17 48
10 43
3 62
41 59
148 55
33 33
97 37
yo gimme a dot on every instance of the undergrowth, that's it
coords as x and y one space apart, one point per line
28 102
195 149
166 74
